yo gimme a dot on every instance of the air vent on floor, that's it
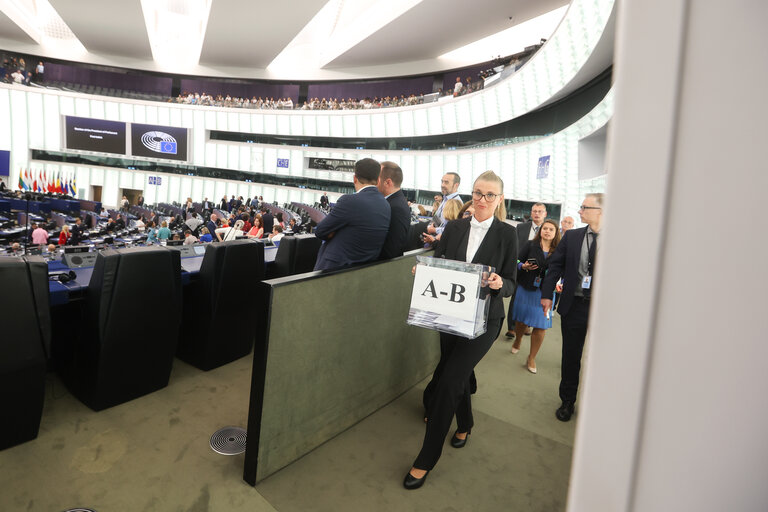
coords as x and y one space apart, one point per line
229 440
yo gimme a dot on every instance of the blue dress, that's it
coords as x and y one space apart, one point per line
527 308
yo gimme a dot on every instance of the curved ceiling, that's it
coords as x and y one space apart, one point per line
242 38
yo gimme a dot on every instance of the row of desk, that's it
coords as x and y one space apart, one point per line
64 292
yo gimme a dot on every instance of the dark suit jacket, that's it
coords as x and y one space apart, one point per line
324 200
211 227
526 278
269 223
523 232
360 223
224 206
499 250
565 263
77 234
399 223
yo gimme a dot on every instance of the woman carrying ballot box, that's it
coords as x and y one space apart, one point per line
483 239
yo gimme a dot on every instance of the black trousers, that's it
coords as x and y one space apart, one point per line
574 329
510 322
451 390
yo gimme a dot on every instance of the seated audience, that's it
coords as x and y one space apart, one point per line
277 233
230 233
205 235
189 238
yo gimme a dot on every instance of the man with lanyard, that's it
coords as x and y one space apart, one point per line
574 260
449 186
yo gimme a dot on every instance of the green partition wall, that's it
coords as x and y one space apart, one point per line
332 349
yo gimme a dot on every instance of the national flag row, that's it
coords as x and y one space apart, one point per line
43 181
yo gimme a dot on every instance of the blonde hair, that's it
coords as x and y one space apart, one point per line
452 208
492 177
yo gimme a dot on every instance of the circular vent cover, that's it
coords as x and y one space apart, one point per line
229 440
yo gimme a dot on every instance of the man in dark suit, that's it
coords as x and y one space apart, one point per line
525 231
355 229
574 261
267 220
390 180
224 206
211 224
77 232
324 200
207 207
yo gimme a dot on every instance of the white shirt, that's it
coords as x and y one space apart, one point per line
534 229
477 232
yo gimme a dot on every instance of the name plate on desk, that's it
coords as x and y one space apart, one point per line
186 251
449 296
82 259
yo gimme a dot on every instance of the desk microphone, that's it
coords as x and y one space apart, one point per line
63 277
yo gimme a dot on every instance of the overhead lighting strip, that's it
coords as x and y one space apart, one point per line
43 24
337 27
176 30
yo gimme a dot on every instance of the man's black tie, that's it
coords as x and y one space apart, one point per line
591 264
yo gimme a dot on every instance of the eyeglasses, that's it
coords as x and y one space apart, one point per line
489 197
582 207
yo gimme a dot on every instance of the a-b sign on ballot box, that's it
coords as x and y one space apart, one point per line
449 296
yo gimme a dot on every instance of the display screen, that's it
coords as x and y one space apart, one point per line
159 141
94 135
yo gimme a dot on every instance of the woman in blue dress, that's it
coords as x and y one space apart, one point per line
532 266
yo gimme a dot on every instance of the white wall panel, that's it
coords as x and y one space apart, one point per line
82 107
20 142
111 111
35 116
126 112
150 116
5 120
140 114
110 193
52 122
198 139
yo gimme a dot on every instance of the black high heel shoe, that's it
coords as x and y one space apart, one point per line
459 443
411 482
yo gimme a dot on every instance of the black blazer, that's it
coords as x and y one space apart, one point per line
523 232
529 250
269 223
399 223
565 263
499 250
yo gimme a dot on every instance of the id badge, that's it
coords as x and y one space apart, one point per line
586 283
537 282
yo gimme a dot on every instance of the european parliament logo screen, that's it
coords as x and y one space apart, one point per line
153 141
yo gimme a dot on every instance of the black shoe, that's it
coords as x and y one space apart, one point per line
458 443
411 482
510 335
565 411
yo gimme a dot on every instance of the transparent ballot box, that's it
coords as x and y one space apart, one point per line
450 296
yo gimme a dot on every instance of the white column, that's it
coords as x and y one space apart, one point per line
673 413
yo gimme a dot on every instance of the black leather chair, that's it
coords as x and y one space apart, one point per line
122 354
24 343
307 247
217 327
284 259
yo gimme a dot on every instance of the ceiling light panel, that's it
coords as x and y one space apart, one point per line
509 41
176 30
337 27
43 24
